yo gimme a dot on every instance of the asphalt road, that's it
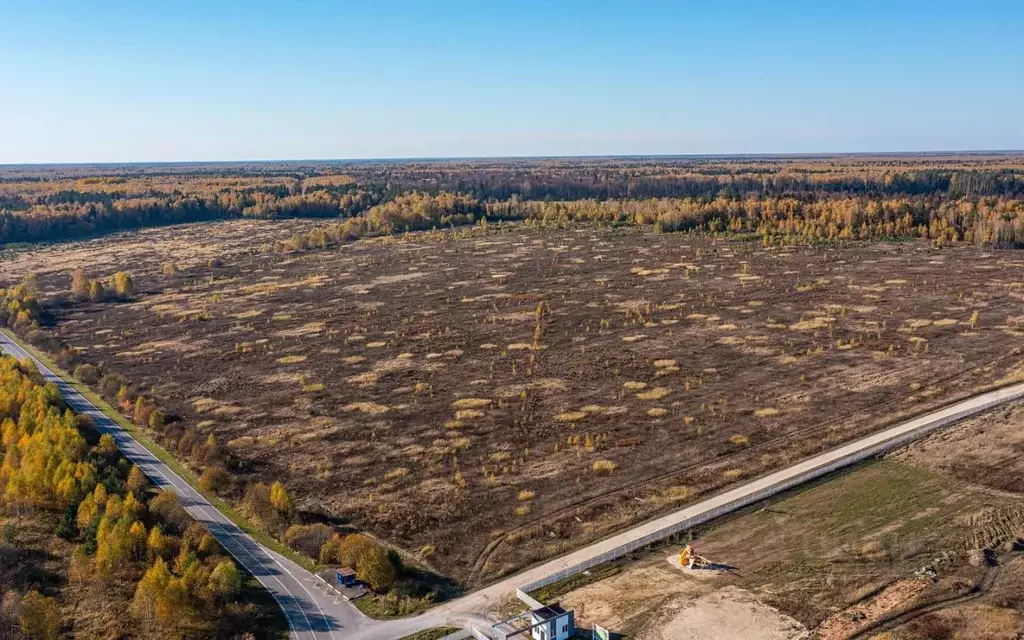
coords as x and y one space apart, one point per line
312 614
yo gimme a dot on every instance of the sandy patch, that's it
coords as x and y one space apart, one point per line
729 612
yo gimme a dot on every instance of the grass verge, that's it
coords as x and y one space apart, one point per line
389 606
431 634
164 456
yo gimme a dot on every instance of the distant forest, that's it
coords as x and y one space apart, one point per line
976 198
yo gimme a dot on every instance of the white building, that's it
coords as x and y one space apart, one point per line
551 622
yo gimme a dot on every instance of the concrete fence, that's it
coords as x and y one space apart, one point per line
783 485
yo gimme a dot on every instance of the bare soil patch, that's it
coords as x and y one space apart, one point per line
729 612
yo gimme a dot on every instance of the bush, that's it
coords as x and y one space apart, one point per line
141 412
351 548
308 538
329 552
97 293
39 618
258 504
122 284
110 384
87 373
215 479
225 581
378 567
165 505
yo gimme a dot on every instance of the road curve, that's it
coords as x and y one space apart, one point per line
312 614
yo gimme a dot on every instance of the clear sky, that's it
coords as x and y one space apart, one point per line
141 80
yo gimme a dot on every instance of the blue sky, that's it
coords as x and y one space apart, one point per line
215 80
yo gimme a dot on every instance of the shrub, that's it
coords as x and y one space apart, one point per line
110 384
80 283
97 293
280 499
142 411
40 617
165 505
122 284
225 581
308 538
330 550
603 466
215 479
260 503
378 567
87 373
351 548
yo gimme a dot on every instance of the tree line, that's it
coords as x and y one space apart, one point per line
127 545
59 204
981 221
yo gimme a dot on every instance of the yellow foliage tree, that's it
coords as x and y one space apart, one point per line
280 499
40 617
80 283
123 284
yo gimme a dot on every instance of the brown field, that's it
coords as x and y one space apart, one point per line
488 398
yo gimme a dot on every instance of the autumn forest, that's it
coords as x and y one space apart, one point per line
972 198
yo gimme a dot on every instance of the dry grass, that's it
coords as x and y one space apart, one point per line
365 378
371 408
471 403
571 416
657 393
494 413
603 466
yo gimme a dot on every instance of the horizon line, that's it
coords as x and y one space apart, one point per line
325 160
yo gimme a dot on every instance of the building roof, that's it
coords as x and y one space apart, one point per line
345 571
549 612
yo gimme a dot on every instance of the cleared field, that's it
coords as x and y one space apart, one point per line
887 548
488 398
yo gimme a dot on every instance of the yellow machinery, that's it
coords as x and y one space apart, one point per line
688 558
